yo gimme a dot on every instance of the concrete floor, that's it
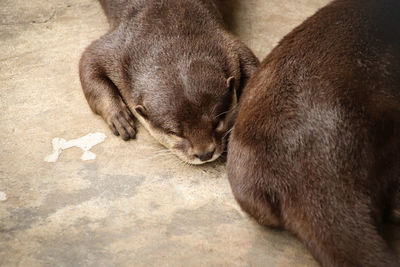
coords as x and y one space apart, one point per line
133 205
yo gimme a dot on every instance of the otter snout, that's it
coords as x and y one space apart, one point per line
205 155
204 152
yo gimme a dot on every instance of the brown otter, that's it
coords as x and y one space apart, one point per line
316 145
172 64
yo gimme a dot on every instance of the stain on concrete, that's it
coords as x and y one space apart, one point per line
188 221
84 249
85 245
7 34
104 186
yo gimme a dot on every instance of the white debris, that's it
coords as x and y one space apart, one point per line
85 143
3 196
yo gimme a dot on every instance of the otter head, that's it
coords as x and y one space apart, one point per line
191 112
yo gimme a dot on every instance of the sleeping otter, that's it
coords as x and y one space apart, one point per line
316 145
171 64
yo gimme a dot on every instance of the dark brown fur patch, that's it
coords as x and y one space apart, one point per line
316 145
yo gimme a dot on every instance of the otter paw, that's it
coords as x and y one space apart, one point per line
122 124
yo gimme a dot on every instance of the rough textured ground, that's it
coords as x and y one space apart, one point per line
134 205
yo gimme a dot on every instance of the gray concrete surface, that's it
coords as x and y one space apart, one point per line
135 204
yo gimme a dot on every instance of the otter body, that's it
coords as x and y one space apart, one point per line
316 145
171 64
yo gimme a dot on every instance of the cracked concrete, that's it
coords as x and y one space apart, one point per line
135 204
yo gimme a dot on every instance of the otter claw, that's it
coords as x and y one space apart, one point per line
122 124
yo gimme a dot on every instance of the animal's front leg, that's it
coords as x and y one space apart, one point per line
104 97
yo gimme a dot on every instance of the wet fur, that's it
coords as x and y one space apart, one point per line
316 145
172 64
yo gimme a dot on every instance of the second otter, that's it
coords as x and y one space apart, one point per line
316 144
172 64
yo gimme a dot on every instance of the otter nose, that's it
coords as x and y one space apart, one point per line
205 156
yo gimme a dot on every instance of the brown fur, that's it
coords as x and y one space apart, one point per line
173 65
316 145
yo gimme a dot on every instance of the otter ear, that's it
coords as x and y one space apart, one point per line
230 82
231 85
141 110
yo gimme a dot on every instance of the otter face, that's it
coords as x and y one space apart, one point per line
201 142
193 126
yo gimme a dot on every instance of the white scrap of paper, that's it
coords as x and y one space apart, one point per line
85 143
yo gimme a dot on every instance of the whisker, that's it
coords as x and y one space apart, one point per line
162 153
228 111
155 157
228 132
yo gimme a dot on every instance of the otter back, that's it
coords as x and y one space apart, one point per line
316 145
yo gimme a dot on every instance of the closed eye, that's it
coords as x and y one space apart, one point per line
172 133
